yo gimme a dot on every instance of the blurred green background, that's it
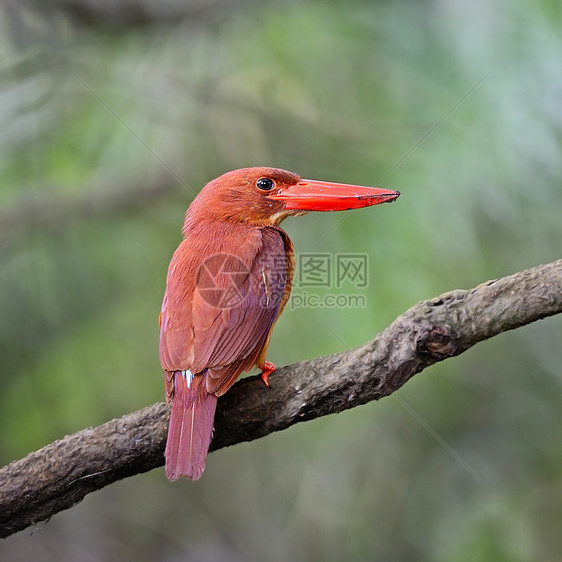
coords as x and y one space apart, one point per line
114 114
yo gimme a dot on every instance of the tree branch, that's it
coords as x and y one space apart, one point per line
59 475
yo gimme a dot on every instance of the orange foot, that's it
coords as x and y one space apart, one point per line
267 369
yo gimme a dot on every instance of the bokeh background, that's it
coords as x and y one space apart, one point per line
114 114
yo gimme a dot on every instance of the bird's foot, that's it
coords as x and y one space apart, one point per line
267 369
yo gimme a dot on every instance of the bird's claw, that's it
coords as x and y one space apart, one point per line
267 369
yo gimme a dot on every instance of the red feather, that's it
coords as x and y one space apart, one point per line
191 428
215 340
227 284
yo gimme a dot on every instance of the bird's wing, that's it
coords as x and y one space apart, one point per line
234 305
234 339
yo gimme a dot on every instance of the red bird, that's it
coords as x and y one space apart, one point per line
227 284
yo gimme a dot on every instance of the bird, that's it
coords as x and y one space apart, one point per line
227 284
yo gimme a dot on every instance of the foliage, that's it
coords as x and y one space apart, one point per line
455 104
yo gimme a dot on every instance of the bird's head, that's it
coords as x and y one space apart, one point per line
265 196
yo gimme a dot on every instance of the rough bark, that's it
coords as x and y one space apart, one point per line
59 475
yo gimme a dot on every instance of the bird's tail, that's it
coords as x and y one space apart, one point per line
191 426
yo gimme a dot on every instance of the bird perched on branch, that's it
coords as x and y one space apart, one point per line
227 284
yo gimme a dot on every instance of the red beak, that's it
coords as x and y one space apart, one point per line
313 195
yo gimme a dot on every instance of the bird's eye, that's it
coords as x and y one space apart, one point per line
265 184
